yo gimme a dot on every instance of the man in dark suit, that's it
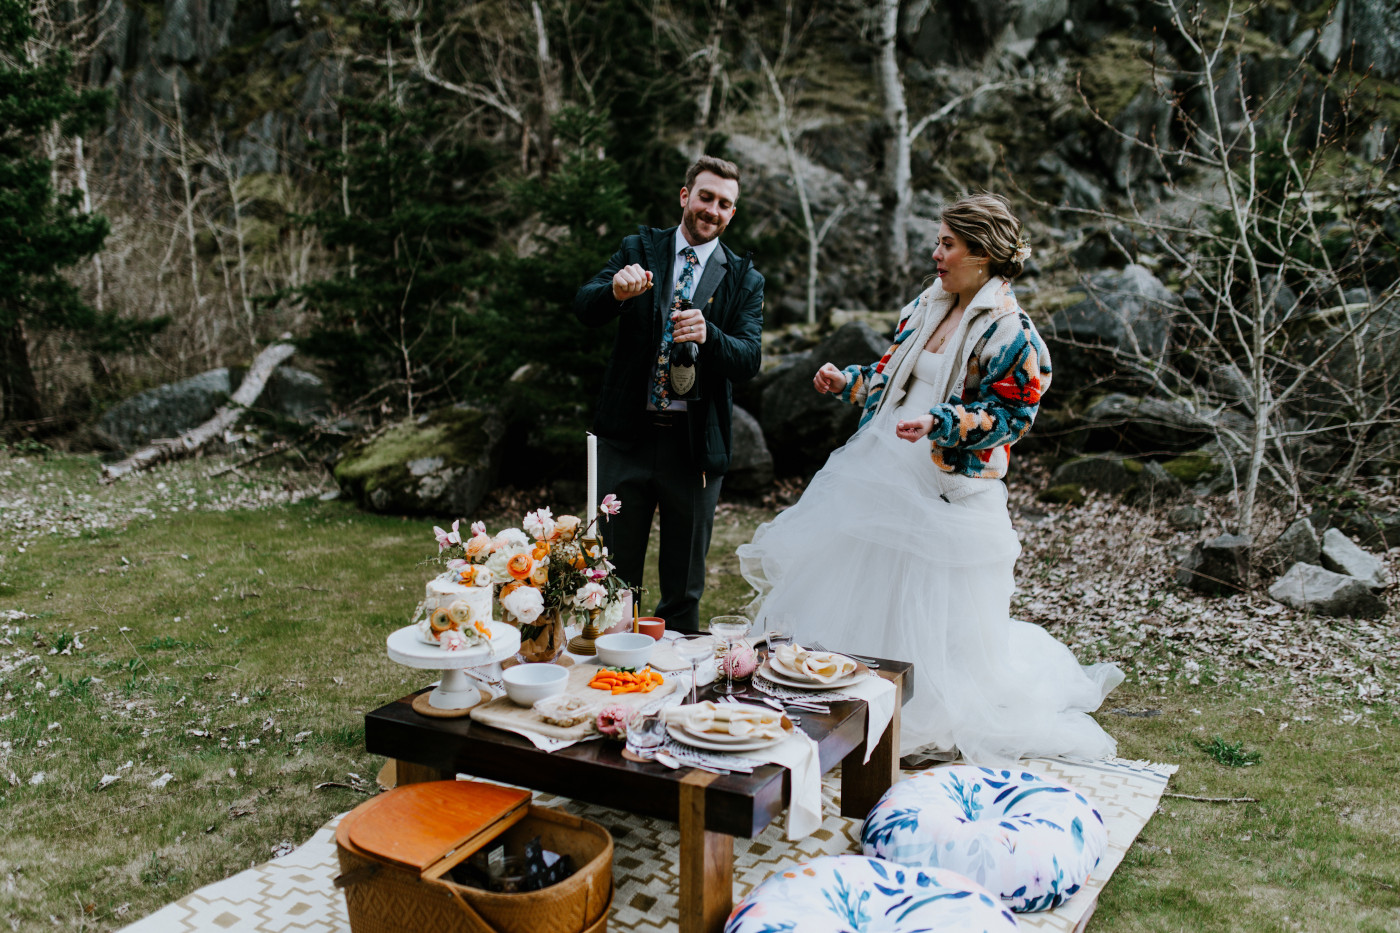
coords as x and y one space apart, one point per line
664 427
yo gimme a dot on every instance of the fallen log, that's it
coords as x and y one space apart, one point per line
177 448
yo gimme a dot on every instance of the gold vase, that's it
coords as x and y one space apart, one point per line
541 641
582 643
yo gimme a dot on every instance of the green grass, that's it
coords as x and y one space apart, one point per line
239 650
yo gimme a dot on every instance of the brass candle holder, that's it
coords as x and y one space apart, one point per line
583 642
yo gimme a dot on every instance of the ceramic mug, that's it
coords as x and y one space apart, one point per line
650 625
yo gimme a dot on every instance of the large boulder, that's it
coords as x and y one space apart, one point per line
1315 589
1104 474
751 467
803 426
1129 423
1123 314
1341 555
1217 567
439 464
1297 544
172 409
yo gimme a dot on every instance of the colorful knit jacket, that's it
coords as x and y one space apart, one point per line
1007 371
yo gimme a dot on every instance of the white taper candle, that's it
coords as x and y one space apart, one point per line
592 512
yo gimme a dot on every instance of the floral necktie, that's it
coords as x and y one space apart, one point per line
685 287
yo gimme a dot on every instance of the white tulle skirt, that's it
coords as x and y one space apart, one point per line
871 560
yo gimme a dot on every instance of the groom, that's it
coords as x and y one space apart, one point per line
656 450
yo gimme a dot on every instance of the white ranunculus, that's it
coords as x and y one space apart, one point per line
590 596
512 537
496 563
525 603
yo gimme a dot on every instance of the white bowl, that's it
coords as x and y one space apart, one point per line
624 649
526 683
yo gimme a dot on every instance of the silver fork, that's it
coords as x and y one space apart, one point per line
869 662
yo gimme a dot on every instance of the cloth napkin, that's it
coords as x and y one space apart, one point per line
820 666
798 753
729 719
878 694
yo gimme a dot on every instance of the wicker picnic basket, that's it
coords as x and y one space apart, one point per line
393 883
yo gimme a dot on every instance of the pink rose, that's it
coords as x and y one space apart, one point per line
613 720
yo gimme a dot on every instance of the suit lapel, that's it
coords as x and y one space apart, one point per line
711 277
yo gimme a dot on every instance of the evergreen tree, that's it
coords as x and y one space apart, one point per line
41 231
409 247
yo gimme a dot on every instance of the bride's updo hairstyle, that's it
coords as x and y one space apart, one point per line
986 224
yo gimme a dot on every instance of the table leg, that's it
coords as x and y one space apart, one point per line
707 862
863 782
406 772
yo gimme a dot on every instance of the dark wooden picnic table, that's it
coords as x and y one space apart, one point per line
711 808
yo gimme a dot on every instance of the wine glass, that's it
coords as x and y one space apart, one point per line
694 648
731 630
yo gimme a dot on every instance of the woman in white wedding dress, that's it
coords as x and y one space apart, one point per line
902 547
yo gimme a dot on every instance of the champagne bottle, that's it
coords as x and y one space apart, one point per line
685 371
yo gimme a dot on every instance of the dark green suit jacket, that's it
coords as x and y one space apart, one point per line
730 293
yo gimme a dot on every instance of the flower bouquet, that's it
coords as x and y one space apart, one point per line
543 572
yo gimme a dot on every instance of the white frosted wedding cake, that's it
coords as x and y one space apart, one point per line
451 605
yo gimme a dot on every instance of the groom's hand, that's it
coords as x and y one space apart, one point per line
630 281
829 379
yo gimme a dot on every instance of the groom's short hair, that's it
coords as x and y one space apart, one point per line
720 167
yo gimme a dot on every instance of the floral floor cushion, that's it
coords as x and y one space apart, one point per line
840 893
1031 840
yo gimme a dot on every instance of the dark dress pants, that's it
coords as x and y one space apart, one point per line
657 472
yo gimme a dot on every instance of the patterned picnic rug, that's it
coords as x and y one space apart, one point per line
294 892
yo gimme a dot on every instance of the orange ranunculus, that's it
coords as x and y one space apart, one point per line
540 575
520 565
466 575
580 562
541 550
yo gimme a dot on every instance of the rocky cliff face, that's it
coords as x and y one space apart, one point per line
258 76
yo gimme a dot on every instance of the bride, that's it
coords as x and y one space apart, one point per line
902 546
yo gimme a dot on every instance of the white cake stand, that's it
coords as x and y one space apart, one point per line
455 693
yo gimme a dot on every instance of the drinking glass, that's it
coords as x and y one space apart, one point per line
645 734
694 648
731 630
778 630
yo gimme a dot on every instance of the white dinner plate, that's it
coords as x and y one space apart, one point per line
708 742
724 738
780 675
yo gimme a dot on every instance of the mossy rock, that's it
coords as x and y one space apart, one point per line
1191 468
1063 494
1106 474
440 464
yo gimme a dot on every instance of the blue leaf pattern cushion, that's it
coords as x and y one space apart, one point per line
855 894
1031 840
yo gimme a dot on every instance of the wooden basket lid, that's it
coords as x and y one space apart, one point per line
430 827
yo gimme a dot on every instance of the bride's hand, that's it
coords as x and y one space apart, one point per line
829 379
913 430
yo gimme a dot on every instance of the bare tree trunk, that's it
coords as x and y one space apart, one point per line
705 102
81 165
226 417
895 176
551 89
189 195
808 225
21 391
